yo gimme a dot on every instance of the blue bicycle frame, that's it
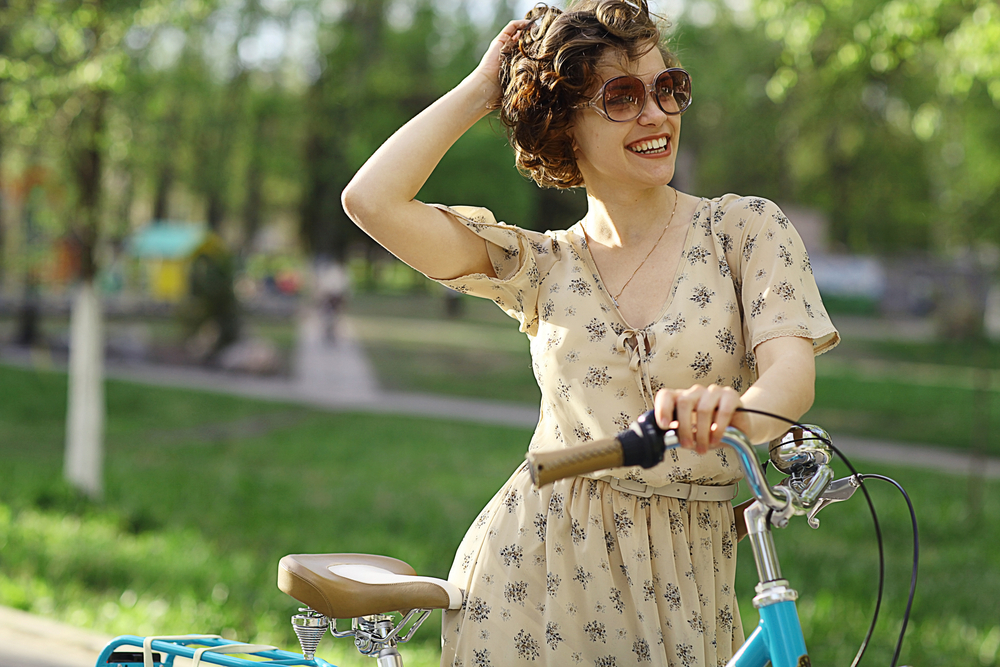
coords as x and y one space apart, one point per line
778 636
777 639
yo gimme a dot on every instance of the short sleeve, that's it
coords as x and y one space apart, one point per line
520 259
772 272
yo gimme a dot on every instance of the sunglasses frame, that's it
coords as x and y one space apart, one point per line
597 101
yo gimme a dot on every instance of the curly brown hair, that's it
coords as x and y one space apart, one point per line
553 69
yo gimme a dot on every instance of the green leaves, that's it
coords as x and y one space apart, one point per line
952 42
876 112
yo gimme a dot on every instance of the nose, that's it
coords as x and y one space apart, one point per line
651 113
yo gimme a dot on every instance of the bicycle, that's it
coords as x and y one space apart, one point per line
387 601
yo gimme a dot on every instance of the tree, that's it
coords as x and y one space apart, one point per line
918 79
339 104
63 65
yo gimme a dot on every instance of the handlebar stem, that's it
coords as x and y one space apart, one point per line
762 542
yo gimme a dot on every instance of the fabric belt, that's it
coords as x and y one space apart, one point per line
676 490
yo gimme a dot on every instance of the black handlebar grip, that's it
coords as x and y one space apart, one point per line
643 443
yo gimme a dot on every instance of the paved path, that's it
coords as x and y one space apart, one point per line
27 640
334 376
338 377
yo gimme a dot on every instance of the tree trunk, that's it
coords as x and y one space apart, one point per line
254 202
86 409
161 198
324 227
84 462
3 230
29 314
215 211
4 41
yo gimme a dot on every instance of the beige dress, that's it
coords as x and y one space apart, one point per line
581 573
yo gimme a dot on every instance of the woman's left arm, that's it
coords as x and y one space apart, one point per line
786 373
786 386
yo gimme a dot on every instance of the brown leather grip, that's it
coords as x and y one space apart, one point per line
547 467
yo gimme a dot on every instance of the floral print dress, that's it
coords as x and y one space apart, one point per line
579 572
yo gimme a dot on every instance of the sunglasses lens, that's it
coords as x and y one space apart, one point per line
623 98
673 91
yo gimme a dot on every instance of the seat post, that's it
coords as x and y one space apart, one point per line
389 657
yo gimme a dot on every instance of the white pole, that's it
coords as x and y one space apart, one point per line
85 416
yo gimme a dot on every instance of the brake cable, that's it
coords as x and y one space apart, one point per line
878 534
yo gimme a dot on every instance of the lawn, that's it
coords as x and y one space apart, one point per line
206 492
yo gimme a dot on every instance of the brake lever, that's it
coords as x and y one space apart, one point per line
837 491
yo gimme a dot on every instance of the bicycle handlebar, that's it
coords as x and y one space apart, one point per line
645 443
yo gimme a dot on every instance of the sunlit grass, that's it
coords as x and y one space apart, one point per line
198 509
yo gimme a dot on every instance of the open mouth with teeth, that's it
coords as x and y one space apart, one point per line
651 147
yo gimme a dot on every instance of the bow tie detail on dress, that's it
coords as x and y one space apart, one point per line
638 344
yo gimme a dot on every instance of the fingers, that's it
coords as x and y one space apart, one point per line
508 36
502 43
687 402
701 414
664 408
725 412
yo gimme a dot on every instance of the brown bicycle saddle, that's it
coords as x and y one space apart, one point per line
352 585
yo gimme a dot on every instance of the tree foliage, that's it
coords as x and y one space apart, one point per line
883 113
63 67
888 107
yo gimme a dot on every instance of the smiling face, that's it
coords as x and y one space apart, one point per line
618 157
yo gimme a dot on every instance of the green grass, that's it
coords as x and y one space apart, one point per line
835 568
850 305
479 354
205 493
163 336
980 354
504 376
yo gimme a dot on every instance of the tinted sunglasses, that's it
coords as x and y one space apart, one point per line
623 98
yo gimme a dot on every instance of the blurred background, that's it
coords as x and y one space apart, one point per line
172 242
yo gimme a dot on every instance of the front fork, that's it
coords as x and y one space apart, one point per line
778 637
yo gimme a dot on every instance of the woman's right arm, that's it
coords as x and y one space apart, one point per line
381 196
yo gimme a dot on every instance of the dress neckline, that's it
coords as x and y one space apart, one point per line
584 247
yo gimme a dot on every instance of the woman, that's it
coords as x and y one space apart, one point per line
656 299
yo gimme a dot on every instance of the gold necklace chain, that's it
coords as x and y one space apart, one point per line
614 297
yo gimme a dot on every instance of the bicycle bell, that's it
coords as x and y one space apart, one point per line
801 450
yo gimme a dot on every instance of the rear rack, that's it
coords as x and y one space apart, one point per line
213 649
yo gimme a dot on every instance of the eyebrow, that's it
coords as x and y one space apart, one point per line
643 77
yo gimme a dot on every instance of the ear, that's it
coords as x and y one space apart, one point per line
572 140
